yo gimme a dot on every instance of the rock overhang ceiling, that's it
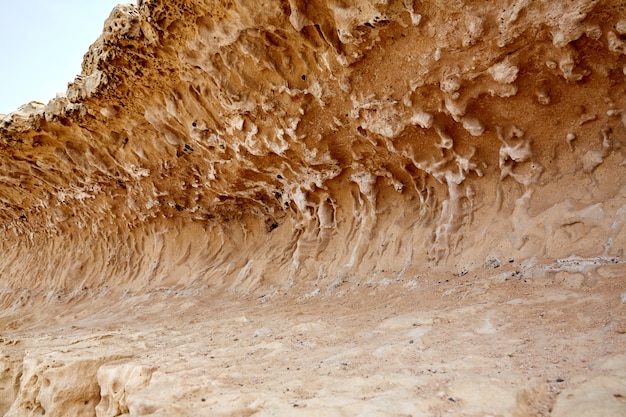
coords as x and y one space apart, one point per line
261 144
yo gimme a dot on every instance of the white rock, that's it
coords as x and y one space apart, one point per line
473 126
504 72
423 119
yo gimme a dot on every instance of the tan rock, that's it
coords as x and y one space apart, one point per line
339 179
603 396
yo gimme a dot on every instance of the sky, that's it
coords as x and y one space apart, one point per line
42 43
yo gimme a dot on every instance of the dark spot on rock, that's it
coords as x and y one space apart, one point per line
278 195
369 25
560 380
303 77
273 226
179 207
280 177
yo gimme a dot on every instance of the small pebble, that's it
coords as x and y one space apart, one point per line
560 380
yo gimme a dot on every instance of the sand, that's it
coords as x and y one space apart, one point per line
510 341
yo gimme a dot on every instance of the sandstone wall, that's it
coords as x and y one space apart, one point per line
286 150
256 145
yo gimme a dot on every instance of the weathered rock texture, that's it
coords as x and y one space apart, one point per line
298 150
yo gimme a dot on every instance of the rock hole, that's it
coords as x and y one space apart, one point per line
116 388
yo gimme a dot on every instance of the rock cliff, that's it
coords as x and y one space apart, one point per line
278 150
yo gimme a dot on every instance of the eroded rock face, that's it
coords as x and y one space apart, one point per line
271 147
58 384
361 136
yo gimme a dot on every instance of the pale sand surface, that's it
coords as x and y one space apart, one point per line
508 341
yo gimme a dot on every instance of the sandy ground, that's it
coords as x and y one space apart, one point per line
507 341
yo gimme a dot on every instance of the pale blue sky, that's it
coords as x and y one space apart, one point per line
42 43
